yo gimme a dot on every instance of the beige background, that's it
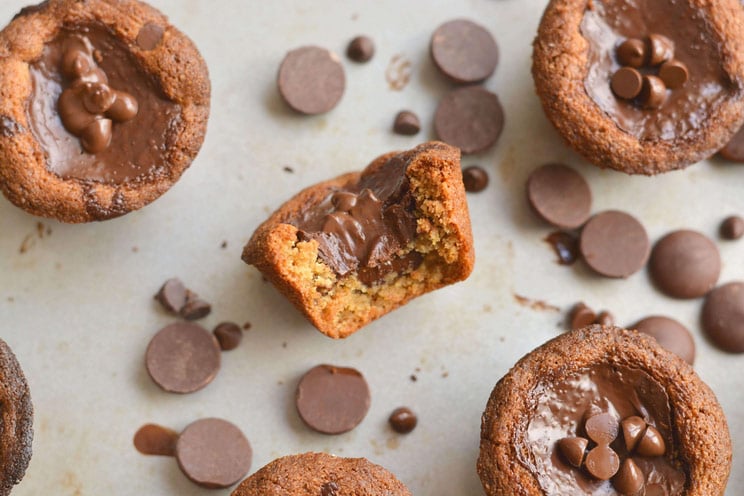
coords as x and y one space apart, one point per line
77 307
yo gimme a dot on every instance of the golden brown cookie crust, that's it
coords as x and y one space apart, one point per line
175 63
444 233
306 474
559 68
699 426
16 421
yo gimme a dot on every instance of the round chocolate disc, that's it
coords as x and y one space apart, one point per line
670 334
685 264
560 195
470 118
16 421
734 149
213 453
464 51
183 357
311 80
614 244
723 317
332 400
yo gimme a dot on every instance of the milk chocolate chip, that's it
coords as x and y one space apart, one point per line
614 244
229 335
653 92
332 400
572 449
626 83
632 53
629 479
633 428
670 334
172 295
311 80
183 358
464 51
723 317
685 264
602 462
660 49
403 420
674 74
560 195
470 118
732 228
213 453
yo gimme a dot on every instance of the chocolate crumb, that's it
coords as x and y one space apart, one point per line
535 304
223 245
247 326
565 245
288 169
414 378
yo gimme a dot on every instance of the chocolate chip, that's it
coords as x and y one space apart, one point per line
602 428
403 420
629 479
581 316
311 80
229 335
332 400
670 334
572 449
183 358
361 49
732 228
631 52
723 317
152 439
195 308
602 462
626 83
614 244
674 74
469 118
213 453
565 245
685 264
606 319
660 49
172 295
653 93
150 36
734 149
464 51
406 123
651 443
475 179
559 195
633 429
329 489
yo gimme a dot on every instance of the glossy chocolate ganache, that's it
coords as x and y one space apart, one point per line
96 113
695 81
366 227
603 431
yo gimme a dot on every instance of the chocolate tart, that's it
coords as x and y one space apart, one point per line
679 96
349 250
105 104
320 474
574 415
16 421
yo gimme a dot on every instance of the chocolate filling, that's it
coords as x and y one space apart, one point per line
561 408
138 146
607 23
366 226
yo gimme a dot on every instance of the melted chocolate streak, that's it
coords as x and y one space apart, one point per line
364 226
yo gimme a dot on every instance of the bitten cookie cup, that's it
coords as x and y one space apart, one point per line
349 250
645 86
603 410
104 105
320 474
16 421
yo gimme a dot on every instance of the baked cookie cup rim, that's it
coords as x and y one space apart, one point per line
695 411
559 69
175 64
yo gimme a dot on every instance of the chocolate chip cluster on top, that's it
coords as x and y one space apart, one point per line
601 453
648 70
